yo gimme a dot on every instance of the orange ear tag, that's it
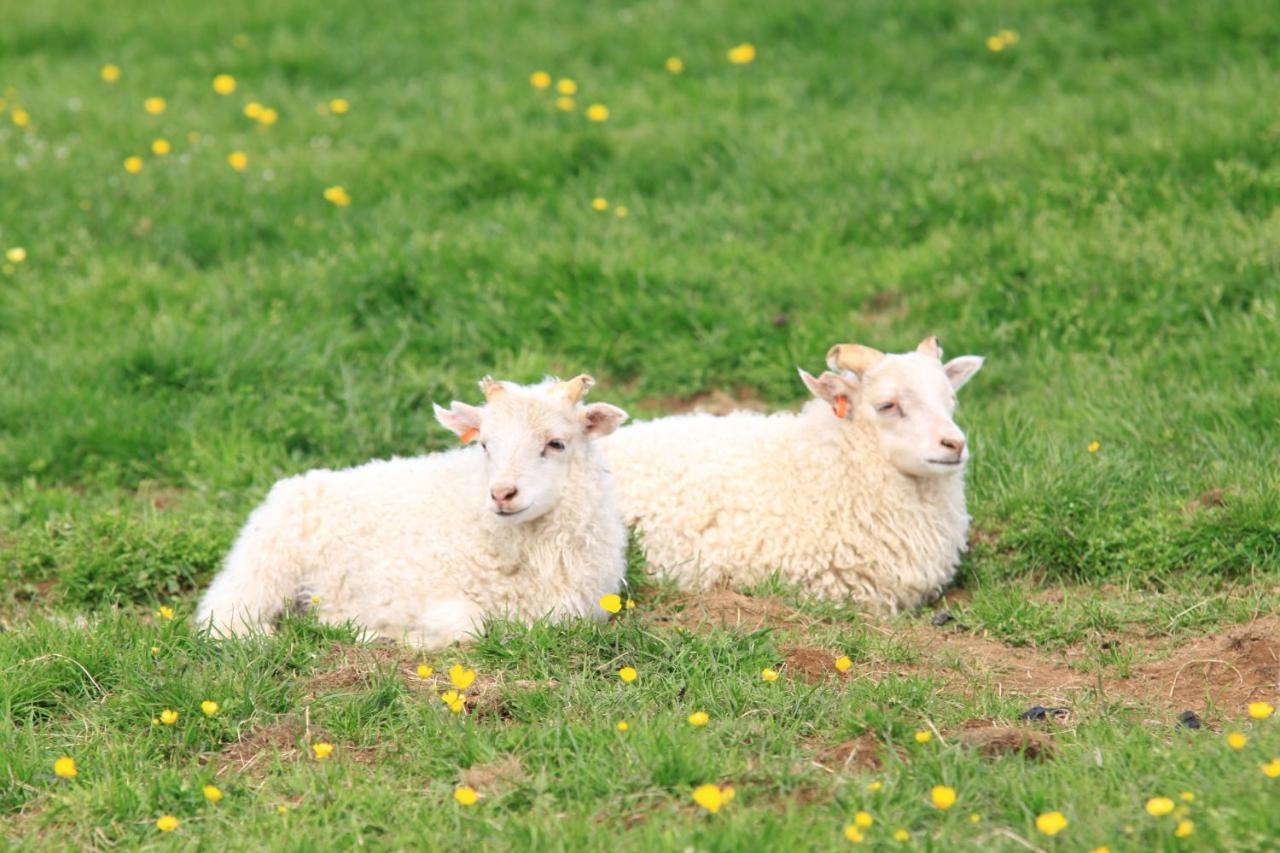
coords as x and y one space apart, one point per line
469 435
841 407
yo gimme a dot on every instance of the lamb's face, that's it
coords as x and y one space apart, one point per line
910 399
529 438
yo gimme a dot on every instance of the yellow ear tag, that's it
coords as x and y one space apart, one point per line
841 407
469 435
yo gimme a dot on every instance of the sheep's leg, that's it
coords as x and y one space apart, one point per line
445 623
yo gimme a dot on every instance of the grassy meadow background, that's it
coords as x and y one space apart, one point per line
1092 207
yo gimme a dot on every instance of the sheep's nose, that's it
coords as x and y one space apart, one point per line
503 494
955 445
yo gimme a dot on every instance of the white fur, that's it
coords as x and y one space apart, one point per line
415 550
849 508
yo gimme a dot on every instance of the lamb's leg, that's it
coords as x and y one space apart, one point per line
445 623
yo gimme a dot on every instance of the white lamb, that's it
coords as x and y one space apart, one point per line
523 524
859 496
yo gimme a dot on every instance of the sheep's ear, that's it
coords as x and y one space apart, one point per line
459 418
600 419
960 370
833 389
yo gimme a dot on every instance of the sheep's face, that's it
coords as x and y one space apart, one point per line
529 438
910 399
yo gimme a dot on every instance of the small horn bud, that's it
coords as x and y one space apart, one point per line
574 389
854 357
930 347
493 389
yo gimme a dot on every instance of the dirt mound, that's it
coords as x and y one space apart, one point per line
286 740
861 753
495 776
722 608
811 664
993 740
1225 670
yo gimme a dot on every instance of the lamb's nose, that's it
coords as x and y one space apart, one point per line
504 494
955 445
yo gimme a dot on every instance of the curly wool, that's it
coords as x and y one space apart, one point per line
733 499
407 549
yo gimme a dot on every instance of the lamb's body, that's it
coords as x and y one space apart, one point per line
733 499
409 550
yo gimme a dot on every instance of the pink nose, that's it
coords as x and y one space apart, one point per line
504 495
955 445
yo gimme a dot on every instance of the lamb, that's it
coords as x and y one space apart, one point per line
859 496
524 524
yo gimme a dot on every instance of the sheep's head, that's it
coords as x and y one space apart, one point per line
529 436
910 398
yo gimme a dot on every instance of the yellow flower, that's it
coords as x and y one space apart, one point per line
598 112
875 786
1102 849
268 116
564 104
631 605
628 674
282 809
224 84
16 255
167 823
155 106
238 160
161 147
598 203
1236 740
465 795
675 64
212 793
901 835
337 195
923 736
712 797
1051 823
209 707
768 674
1272 768
322 750
65 767
163 612
611 603
843 664
253 110
1159 806
1009 36
852 833
566 86
455 700
1187 796
168 717
623 725
1261 710
339 106
699 718
1094 447
1185 828
110 73
315 599
539 79
995 44
20 117
943 797
155 650
620 212
975 818
425 671
742 54
461 678
863 820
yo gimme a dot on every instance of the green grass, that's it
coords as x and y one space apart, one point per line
1093 209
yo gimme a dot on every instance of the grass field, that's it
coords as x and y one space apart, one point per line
1093 207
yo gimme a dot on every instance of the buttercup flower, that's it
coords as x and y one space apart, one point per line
863 820
875 786
465 795
224 84
742 54
852 833
598 112
1103 849
564 104
168 717
455 700
901 835
110 73
768 674
1236 740
623 725
209 707
699 718
1261 710
611 603
1051 823
628 674
1272 769
16 255
155 106
282 809
339 106
424 671
566 86
598 203
923 736
65 767
631 604
975 818
1185 828
163 612
268 116
167 823
322 750
539 79
712 797
338 196
675 64
1159 806
161 147
20 117
1009 36
253 110
212 793
620 211
1094 447
238 160
461 678
943 797
843 663
995 44
1187 797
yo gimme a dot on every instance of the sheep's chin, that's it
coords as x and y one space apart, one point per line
525 514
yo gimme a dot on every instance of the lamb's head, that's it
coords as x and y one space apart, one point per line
530 437
909 398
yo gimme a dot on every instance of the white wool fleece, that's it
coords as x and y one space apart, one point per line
412 550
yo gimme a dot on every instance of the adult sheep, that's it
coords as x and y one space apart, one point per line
858 496
523 524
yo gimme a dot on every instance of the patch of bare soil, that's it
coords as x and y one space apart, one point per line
993 740
354 667
861 753
1226 669
811 664
495 776
286 740
723 608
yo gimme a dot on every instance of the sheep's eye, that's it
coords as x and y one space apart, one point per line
555 444
887 408
484 446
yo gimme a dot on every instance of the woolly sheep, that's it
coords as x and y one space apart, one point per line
523 524
858 496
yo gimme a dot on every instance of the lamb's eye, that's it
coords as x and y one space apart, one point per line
887 408
555 444
484 447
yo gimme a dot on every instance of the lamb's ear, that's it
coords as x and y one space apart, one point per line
960 370
835 390
600 419
459 418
